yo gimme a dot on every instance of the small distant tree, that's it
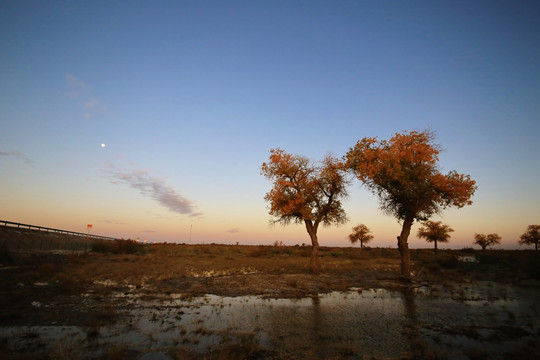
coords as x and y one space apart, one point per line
403 172
531 236
486 240
306 192
435 231
360 234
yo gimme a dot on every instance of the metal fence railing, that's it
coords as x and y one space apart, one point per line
42 228
27 237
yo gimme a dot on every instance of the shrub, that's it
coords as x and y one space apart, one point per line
388 252
532 267
118 247
101 247
488 259
47 269
5 255
304 251
280 248
127 247
259 251
448 262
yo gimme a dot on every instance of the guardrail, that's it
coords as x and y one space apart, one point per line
11 224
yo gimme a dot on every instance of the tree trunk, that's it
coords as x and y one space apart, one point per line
314 261
403 247
435 246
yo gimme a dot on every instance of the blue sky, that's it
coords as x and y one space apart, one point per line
189 96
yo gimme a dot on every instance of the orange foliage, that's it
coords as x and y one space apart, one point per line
486 240
435 231
403 172
304 191
531 236
360 233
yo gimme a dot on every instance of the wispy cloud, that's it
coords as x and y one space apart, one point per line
73 82
155 188
75 88
18 155
91 104
233 231
113 222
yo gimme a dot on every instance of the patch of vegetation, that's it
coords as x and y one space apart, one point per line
259 251
119 352
488 259
496 265
532 267
118 247
67 284
304 251
5 254
448 262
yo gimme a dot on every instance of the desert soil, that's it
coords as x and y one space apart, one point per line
76 288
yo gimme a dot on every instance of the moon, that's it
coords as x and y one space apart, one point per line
102 145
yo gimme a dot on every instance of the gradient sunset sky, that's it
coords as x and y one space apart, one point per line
188 97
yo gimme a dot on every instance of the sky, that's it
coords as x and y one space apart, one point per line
151 121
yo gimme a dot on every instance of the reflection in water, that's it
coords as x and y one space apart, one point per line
367 322
317 325
370 323
412 324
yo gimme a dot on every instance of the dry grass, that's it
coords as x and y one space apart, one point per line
162 263
165 262
270 271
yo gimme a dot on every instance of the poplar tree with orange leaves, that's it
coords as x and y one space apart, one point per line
531 236
403 173
435 232
306 192
360 234
487 240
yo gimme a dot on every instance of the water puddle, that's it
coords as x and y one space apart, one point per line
484 319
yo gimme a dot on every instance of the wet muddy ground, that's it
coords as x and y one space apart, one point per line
225 304
480 320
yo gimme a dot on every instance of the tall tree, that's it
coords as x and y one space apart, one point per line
486 240
403 172
531 236
306 192
435 232
360 234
